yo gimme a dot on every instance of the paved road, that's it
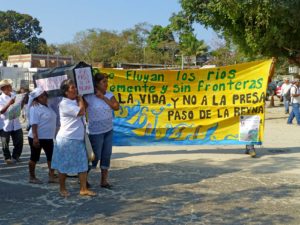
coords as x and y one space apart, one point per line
170 185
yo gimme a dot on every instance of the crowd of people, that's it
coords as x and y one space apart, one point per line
58 125
290 96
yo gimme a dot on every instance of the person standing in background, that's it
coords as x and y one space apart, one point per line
285 90
12 127
295 100
100 107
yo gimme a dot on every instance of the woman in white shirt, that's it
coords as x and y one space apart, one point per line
69 156
42 120
100 108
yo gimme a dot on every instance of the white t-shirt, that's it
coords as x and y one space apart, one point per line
295 90
45 118
100 114
9 125
71 125
284 88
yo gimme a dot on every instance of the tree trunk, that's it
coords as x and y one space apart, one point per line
271 102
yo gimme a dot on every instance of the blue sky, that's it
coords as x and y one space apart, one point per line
62 19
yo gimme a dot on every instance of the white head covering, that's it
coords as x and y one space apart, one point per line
36 92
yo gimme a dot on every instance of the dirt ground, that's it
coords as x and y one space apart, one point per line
171 185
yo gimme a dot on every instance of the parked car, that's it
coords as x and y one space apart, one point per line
278 89
274 88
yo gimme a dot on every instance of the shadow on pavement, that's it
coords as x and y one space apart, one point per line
197 191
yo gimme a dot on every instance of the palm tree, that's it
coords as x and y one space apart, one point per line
191 46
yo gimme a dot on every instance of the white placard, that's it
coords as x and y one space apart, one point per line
249 128
51 83
84 80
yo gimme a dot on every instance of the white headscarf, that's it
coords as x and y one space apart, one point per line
34 94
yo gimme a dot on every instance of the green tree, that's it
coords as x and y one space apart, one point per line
226 53
133 44
38 46
267 28
21 28
162 43
109 47
158 35
191 46
17 27
11 48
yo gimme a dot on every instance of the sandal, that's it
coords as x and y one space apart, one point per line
53 180
87 193
64 193
107 186
35 181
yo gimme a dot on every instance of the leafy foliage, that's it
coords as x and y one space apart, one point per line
16 27
19 34
144 43
190 45
158 35
11 48
258 27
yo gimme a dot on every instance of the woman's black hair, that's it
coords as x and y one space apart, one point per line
99 76
65 85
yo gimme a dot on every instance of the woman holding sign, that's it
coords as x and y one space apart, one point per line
100 124
69 156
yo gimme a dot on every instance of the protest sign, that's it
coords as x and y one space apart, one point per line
84 80
51 79
14 111
190 107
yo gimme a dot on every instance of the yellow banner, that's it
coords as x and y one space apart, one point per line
222 105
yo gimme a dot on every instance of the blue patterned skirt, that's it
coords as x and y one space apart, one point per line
69 156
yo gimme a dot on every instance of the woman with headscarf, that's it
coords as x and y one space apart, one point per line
42 120
69 156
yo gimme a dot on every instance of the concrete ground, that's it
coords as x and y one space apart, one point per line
170 185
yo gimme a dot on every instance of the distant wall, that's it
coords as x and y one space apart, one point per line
16 75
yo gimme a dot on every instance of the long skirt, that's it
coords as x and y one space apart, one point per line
69 156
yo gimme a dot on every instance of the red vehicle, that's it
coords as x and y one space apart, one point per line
278 89
274 88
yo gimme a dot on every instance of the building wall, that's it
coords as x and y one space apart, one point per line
38 61
16 75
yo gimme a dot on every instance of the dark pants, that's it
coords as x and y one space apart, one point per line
46 144
17 138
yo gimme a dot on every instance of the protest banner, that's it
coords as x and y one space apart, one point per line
51 79
222 105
